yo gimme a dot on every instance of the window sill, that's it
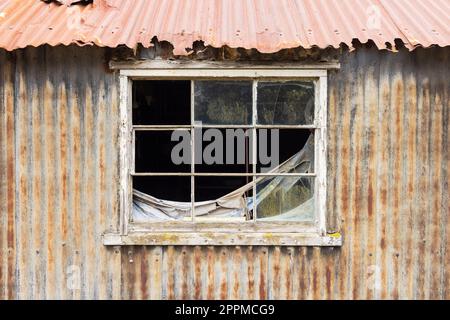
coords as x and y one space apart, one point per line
205 238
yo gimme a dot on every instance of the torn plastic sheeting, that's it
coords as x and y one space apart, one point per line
235 204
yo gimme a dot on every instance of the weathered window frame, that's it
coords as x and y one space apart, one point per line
210 233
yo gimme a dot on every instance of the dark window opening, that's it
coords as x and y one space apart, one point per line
214 187
153 150
174 188
232 157
290 142
161 102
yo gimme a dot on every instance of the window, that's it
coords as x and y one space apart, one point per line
223 156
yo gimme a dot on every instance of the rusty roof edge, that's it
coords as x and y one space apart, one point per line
97 25
407 44
82 43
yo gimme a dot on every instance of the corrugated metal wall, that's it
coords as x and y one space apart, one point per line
59 165
388 189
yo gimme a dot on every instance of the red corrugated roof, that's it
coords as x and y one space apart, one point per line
267 25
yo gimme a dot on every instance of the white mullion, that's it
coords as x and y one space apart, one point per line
125 143
254 144
133 151
320 158
159 128
223 126
222 174
192 154
285 126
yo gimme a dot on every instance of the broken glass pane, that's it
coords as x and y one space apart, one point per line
275 146
285 103
285 199
223 102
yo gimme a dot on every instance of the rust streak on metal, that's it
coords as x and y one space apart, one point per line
198 255
250 256
185 278
223 285
262 253
237 262
10 197
144 280
210 255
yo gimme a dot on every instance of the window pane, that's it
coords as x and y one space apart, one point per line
156 152
285 103
222 199
161 198
161 102
224 150
285 199
214 187
223 102
285 150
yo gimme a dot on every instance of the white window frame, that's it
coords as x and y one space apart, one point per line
189 233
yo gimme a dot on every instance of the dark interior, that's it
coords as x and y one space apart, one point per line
214 187
291 141
161 102
235 167
153 152
174 188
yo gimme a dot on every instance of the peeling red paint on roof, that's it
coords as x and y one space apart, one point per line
266 25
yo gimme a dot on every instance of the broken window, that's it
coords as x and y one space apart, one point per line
223 150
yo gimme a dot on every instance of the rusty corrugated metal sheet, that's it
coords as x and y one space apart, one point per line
388 186
267 25
58 167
